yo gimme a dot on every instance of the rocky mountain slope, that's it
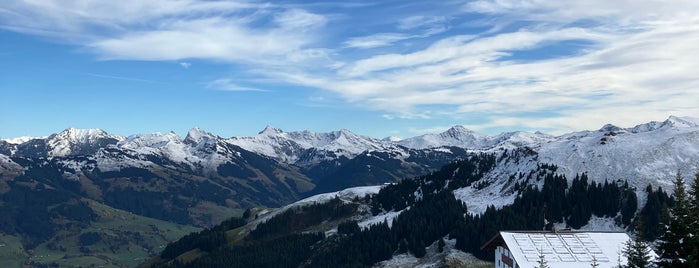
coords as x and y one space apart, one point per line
202 178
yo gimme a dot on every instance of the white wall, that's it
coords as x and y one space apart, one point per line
501 256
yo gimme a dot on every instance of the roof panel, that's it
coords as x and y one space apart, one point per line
575 249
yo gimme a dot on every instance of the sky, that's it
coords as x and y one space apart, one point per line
378 68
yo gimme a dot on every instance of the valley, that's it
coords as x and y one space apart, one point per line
85 196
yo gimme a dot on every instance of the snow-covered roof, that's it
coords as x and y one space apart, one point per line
563 249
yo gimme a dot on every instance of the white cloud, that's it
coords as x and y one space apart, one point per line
637 67
430 22
300 20
228 85
411 27
639 62
375 40
185 64
232 31
213 39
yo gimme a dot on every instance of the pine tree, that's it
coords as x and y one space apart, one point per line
636 250
594 263
618 259
693 257
674 245
541 262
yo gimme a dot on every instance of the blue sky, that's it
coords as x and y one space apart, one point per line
378 68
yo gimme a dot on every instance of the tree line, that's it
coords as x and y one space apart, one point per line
430 213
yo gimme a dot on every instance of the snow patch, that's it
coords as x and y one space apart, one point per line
387 217
23 139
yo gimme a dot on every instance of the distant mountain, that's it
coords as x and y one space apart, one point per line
307 148
202 178
421 222
69 142
341 159
461 137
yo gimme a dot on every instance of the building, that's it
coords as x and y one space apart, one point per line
570 249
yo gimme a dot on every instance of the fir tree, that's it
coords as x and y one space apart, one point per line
674 245
618 259
541 262
693 257
636 250
594 263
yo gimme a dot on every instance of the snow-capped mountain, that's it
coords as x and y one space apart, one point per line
455 136
20 140
197 149
303 161
71 141
79 141
201 178
459 136
648 153
308 148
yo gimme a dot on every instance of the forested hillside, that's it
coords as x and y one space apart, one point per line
336 233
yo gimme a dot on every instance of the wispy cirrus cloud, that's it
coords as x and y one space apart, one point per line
229 85
376 40
512 63
234 31
431 24
638 65
410 27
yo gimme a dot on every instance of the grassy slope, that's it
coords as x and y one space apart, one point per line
126 240
11 251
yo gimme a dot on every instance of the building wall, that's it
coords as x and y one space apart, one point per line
504 258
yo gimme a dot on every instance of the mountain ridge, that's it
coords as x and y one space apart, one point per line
457 135
571 151
202 178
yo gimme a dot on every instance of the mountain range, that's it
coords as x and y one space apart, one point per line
202 179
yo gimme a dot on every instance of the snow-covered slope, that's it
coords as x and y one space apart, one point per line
20 140
198 150
457 136
648 153
307 147
73 141
461 137
642 154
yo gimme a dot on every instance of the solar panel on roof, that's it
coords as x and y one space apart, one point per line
567 258
559 247
560 250
594 250
583 257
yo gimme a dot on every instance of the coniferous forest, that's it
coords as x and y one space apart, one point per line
431 213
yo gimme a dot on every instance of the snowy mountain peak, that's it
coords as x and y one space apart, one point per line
672 121
196 135
306 146
154 140
80 135
681 121
77 141
270 131
457 130
458 136
610 127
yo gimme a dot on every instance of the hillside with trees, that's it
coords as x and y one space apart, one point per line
429 213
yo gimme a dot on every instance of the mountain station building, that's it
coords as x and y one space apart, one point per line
571 249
